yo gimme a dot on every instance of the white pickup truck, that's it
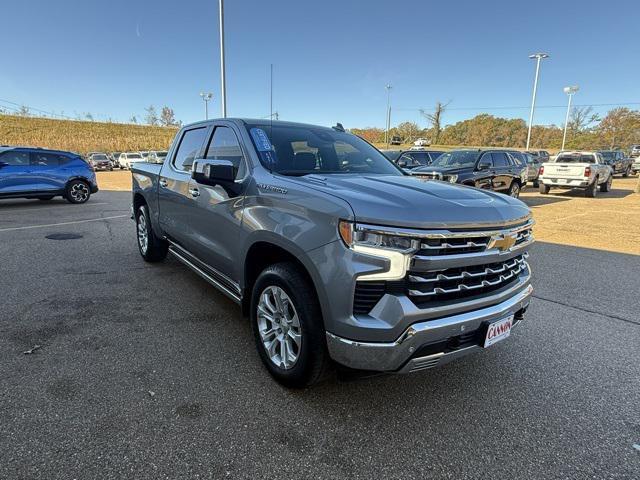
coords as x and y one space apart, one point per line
585 170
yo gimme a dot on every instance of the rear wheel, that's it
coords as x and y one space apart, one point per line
536 184
514 189
152 248
592 190
626 172
77 191
606 186
544 189
287 326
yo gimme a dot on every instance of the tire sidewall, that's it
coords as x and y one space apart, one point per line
142 211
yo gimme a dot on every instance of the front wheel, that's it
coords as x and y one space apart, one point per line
77 192
151 248
287 326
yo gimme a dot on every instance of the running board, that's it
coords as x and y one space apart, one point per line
206 276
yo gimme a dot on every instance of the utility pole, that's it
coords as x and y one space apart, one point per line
570 91
388 123
223 96
538 57
206 97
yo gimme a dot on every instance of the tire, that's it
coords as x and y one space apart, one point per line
626 172
152 248
592 190
544 189
272 321
77 192
46 199
514 189
536 184
606 186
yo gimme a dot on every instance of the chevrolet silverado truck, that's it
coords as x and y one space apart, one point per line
584 170
337 256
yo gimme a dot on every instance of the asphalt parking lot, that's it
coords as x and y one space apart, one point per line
145 371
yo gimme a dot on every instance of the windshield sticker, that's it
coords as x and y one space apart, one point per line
261 140
264 147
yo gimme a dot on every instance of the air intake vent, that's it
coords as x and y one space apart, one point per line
367 295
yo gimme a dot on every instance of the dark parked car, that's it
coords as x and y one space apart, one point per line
100 161
493 169
396 140
44 174
541 155
410 159
618 161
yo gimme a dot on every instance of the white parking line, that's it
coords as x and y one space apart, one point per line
63 223
25 208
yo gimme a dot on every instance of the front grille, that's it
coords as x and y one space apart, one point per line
457 283
467 242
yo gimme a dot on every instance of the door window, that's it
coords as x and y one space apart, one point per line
224 145
500 159
39 159
16 158
189 147
486 160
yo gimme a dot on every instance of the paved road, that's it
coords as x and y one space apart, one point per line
147 372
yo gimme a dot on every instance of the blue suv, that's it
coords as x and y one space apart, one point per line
44 174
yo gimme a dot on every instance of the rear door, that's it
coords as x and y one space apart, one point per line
483 178
15 171
48 172
176 204
502 171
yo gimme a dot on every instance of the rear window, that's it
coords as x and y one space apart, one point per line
575 158
608 155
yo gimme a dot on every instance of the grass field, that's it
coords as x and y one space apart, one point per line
84 136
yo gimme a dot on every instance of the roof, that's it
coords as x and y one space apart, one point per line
259 121
5 148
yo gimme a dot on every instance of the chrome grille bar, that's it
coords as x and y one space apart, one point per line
464 274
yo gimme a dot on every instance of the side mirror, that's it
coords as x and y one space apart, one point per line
213 172
402 163
484 166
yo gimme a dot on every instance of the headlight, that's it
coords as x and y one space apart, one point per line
396 249
453 178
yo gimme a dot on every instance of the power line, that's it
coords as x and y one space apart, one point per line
53 114
521 107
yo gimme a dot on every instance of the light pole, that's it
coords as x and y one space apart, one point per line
570 91
386 132
206 97
538 57
223 96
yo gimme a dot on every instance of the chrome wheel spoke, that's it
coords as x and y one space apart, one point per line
295 337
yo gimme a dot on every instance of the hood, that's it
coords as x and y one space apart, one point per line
405 201
443 170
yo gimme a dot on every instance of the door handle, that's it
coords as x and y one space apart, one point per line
163 183
194 192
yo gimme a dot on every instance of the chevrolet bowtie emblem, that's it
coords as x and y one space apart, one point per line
503 242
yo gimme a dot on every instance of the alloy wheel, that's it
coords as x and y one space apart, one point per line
79 192
143 233
279 327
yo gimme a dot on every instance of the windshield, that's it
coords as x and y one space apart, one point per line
134 155
608 155
575 158
457 158
99 157
302 150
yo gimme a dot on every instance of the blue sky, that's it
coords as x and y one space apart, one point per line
331 59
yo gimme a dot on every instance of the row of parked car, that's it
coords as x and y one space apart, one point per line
508 171
123 160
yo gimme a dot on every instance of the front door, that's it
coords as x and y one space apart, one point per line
503 171
217 215
483 177
175 200
15 172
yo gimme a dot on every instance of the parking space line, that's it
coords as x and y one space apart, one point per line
25 208
28 227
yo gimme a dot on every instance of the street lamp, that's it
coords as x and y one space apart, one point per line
206 97
570 91
386 132
538 57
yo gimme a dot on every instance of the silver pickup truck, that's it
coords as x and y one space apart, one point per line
582 170
333 252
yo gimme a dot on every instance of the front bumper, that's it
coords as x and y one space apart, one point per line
400 355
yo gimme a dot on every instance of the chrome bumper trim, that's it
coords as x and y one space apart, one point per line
391 356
